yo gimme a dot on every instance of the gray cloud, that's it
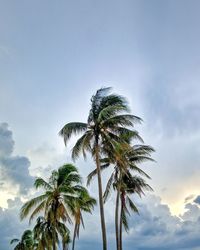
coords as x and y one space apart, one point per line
10 225
6 141
14 170
197 200
155 228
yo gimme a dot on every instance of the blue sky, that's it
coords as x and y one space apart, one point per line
54 55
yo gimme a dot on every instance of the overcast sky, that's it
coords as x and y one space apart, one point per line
54 55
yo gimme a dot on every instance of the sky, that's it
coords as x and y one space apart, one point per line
54 55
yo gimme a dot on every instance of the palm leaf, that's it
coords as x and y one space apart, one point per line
94 173
72 128
108 187
124 219
37 210
26 208
83 144
14 241
132 205
122 120
40 182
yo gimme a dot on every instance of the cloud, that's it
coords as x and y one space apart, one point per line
14 170
155 228
6 141
10 225
197 200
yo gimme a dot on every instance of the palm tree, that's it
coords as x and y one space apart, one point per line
83 203
129 185
25 243
106 121
47 233
124 159
63 185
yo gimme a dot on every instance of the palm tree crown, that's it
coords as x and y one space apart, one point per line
62 185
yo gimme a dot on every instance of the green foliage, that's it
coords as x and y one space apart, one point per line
25 243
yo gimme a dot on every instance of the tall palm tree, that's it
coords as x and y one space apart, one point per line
124 159
25 243
83 203
108 118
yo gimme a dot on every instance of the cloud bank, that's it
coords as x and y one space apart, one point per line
14 170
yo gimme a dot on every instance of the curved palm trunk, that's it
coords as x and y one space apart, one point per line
54 245
117 220
103 226
120 225
74 237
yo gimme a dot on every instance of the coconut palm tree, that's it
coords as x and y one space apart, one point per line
47 233
62 185
124 159
83 203
108 118
25 243
129 185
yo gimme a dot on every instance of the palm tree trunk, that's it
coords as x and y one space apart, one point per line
117 219
74 237
120 225
103 226
54 245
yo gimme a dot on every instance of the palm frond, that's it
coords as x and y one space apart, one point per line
72 128
107 113
29 205
14 241
108 187
114 100
37 210
82 145
95 103
133 167
122 120
40 182
132 205
127 135
124 219
94 173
